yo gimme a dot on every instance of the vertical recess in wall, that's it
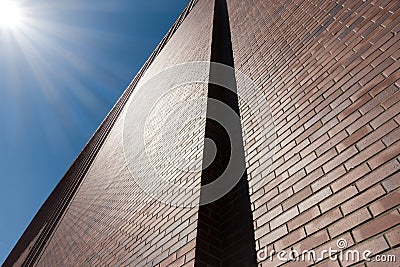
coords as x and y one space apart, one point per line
225 235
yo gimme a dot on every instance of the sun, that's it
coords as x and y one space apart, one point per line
10 14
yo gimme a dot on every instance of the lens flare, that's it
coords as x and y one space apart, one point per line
10 14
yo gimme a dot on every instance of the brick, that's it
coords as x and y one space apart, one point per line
349 222
328 263
311 177
335 140
378 175
376 135
366 118
343 124
332 243
397 119
296 198
338 198
336 111
354 137
392 183
316 117
168 260
385 203
170 242
312 241
362 199
393 99
303 218
177 263
375 245
389 259
303 263
328 178
321 160
255 194
385 116
266 217
340 158
354 107
384 156
303 163
291 180
272 181
283 218
273 236
350 177
393 136
287 164
279 198
315 199
264 249
289 239
377 99
376 226
260 211
189 264
266 197
364 155
367 87
393 236
261 230
324 220
384 84
314 145
186 248
160 257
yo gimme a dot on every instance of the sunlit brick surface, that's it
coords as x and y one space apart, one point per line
329 70
111 221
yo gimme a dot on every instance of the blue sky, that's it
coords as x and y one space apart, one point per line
61 71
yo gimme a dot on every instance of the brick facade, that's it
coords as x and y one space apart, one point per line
329 71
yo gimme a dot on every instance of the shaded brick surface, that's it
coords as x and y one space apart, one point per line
330 73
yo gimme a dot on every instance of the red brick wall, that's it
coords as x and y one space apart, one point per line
329 71
111 221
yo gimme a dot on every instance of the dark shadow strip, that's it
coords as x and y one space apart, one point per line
225 234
